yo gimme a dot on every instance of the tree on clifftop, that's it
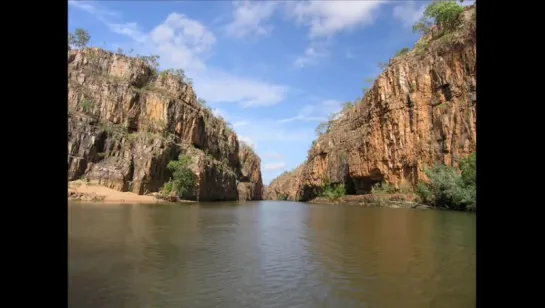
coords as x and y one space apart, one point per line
79 38
442 13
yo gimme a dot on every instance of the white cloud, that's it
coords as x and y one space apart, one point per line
250 18
274 166
325 18
130 29
218 86
182 42
273 155
409 12
95 9
271 131
319 112
313 53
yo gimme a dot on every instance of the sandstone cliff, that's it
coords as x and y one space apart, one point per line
420 111
126 122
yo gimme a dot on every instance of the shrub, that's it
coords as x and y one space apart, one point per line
182 180
421 47
176 72
382 187
347 105
448 188
322 128
87 105
402 52
332 191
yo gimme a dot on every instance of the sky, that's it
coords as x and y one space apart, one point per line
273 69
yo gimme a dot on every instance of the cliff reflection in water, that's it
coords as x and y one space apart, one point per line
269 254
396 258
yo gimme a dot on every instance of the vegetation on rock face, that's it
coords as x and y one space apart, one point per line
448 188
332 191
282 197
152 61
387 188
182 180
402 52
87 105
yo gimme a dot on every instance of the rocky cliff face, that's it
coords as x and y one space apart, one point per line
126 123
287 186
420 111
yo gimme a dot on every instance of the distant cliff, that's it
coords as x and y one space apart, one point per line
420 111
126 122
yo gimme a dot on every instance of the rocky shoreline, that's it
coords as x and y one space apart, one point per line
374 200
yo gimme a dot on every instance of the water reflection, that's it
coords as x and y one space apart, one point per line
269 254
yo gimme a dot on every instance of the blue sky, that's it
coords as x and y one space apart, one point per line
274 70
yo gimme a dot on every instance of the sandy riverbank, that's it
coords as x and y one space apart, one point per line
92 191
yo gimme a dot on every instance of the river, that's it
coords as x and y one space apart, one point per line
269 254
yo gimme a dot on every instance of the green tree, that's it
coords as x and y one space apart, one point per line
182 180
79 38
445 14
469 169
448 188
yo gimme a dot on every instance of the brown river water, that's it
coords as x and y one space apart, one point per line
269 254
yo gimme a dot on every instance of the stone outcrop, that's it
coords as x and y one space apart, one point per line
250 186
126 123
420 111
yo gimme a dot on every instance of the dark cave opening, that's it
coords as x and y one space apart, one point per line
363 185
